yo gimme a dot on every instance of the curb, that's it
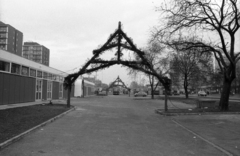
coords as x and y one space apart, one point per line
193 113
20 136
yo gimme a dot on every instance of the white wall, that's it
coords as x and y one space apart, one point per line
78 88
78 92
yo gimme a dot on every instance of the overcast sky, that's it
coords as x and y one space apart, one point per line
72 29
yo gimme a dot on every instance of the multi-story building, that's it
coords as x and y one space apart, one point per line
236 81
36 52
29 80
11 39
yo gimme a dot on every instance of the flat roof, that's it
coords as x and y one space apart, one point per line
10 57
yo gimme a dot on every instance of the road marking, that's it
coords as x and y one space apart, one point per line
214 145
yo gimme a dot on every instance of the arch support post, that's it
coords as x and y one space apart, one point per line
166 104
69 97
83 89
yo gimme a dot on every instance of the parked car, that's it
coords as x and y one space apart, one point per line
202 93
168 92
143 94
193 92
232 93
156 92
175 92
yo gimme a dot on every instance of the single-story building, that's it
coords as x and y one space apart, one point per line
23 80
83 88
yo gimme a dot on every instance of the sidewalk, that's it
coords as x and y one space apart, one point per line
231 97
7 106
214 96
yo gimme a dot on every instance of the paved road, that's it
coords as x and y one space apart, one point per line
113 126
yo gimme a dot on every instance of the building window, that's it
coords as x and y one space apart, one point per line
61 79
25 71
15 68
4 66
3 47
3 35
57 78
54 77
32 73
3 29
50 76
60 90
39 74
3 41
45 75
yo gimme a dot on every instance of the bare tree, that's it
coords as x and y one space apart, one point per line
153 54
160 63
236 82
220 18
189 65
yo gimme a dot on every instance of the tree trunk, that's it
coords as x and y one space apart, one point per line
152 85
186 92
224 100
83 90
166 105
185 88
152 88
69 97
152 92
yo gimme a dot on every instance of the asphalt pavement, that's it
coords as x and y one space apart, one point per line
128 126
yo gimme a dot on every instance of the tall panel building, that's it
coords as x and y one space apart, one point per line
36 52
11 39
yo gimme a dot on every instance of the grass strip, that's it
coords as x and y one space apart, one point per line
15 121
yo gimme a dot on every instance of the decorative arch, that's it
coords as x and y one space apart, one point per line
118 82
120 41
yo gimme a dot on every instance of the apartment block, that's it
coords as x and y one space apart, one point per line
11 39
36 52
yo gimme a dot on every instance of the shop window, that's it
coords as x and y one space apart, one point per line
39 74
32 73
15 68
25 71
45 75
4 66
